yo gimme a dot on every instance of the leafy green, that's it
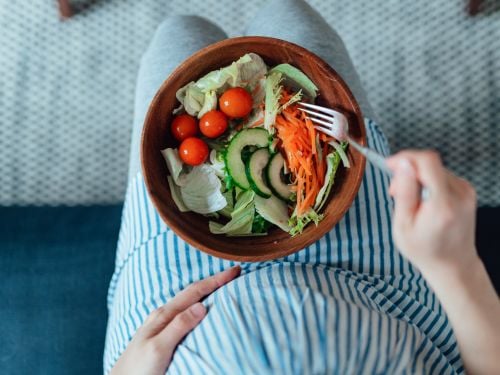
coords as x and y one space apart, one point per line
340 148
258 89
185 187
217 163
175 191
199 97
273 210
174 163
219 144
294 99
260 225
209 103
296 79
273 95
242 217
298 224
238 192
191 99
201 190
226 211
251 68
332 164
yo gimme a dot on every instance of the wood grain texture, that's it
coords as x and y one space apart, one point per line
156 136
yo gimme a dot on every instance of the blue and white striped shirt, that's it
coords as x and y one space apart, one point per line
347 304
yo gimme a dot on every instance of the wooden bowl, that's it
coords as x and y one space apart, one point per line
156 136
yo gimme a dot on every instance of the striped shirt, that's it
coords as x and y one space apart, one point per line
348 303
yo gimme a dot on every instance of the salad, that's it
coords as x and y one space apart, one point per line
247 156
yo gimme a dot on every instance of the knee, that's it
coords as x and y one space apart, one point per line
177 25
178 21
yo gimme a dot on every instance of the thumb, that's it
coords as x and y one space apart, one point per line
405 189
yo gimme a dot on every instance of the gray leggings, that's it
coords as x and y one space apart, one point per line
178 37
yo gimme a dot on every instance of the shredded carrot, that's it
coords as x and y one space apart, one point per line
307 165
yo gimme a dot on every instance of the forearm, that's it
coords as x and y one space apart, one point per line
473 308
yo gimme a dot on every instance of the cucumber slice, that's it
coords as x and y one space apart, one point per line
273 174
234 165
255 171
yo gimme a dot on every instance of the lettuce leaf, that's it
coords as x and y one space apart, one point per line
294 99
226 211
174 163
273 210
298 224
201 190
273 95
257 88
191 99
217 163
201 96
296 79
209 104
340 148
260 225
242 217
175 191
252 68
332 164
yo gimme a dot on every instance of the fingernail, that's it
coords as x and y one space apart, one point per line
198 310
405 168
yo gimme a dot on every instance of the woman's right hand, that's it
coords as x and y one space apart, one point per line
436 234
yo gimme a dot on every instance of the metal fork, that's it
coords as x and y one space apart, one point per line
335 124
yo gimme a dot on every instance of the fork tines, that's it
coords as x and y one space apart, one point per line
333 124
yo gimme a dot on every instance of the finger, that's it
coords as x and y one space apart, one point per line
461 189
406 191
168 339
192 294
428 169
200 289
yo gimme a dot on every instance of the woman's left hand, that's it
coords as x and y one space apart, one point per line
152 347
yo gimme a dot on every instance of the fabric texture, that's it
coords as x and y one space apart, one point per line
349 303
431 72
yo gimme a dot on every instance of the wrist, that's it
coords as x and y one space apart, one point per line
458 278
457 271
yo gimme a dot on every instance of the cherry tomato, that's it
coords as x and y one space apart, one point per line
193 151
236 102
184 126
213 124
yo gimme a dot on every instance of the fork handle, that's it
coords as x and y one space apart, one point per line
379 161
373 157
